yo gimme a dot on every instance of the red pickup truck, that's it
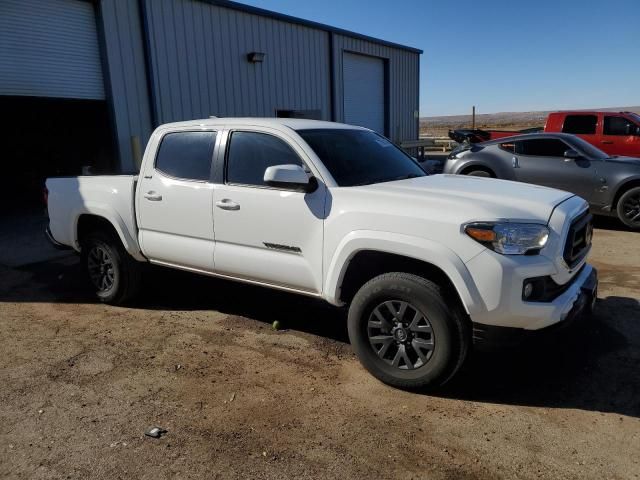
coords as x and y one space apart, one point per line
615 133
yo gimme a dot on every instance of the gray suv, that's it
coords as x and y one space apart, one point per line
611 185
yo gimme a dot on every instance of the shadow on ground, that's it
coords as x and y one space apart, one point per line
610 223
591 367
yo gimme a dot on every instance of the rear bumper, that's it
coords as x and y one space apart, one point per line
53 241
491 336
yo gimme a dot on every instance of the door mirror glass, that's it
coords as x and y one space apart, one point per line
571 154
291 177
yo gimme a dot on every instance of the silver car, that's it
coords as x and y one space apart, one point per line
611 185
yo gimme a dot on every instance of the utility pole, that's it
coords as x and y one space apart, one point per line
473 117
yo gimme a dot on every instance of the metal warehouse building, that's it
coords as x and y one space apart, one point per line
84 83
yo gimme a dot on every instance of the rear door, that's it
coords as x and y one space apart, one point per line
542 162
175 201
620 136
267 234
585 125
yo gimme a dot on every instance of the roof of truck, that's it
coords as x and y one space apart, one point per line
293 123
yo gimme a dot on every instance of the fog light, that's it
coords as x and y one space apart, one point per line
527 290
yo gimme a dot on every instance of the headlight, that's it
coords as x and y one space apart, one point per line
509 238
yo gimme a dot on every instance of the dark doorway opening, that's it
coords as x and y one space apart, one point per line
46 137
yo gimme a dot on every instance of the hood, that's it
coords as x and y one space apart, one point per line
625 160
465 198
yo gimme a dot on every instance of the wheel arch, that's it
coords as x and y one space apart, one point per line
89 220
364 255
622 189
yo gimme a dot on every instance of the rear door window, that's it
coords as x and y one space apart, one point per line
186 155
542 147
580 124
614 125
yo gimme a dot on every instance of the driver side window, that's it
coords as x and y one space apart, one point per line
249 154
543 147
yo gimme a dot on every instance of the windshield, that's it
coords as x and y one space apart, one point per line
588 149
636 117
360 157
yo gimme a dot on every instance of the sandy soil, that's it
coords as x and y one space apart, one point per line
80 382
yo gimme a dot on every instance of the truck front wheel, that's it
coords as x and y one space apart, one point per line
404 332
113 273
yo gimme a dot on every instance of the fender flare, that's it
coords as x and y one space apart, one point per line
114 218
408 246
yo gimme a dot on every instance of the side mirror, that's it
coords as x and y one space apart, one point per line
637 132
571 155
291 177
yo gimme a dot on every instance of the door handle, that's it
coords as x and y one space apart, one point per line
153 196
607 142
514 162
227 204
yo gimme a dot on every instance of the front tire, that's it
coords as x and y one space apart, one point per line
113 273
405 333
628 208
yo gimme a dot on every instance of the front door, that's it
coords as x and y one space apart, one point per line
542 162
620 136
267 234
174 203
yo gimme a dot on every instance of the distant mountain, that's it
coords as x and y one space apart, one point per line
505 118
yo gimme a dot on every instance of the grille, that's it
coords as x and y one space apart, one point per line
578 239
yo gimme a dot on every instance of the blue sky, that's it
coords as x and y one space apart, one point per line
501 55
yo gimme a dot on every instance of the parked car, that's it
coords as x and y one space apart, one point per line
611 185
615 133
428 265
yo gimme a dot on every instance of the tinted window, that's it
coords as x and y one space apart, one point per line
580 124
251 153
618 126
186 155
359 157
543 147
509 147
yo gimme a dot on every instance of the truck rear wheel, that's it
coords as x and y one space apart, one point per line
113 273
404 332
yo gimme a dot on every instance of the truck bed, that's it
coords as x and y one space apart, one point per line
109 196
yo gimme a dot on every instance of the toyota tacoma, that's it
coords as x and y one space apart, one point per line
429 266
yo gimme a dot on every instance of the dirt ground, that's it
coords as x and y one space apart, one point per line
80 382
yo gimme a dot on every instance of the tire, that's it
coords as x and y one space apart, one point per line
628 208
449 331
479 173
112 272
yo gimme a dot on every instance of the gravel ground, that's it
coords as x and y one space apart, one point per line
80 383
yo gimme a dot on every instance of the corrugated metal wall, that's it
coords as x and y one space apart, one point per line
126 77
197 66
49 48
403 83
200 68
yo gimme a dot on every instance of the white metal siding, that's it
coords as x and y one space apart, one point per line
364 91
49 48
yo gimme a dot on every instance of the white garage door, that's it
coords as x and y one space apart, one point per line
364 91
49 48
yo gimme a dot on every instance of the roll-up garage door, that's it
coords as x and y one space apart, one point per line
49 48
364 91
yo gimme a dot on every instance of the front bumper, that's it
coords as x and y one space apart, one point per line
580 305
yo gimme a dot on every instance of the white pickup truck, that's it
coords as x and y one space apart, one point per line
428 265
